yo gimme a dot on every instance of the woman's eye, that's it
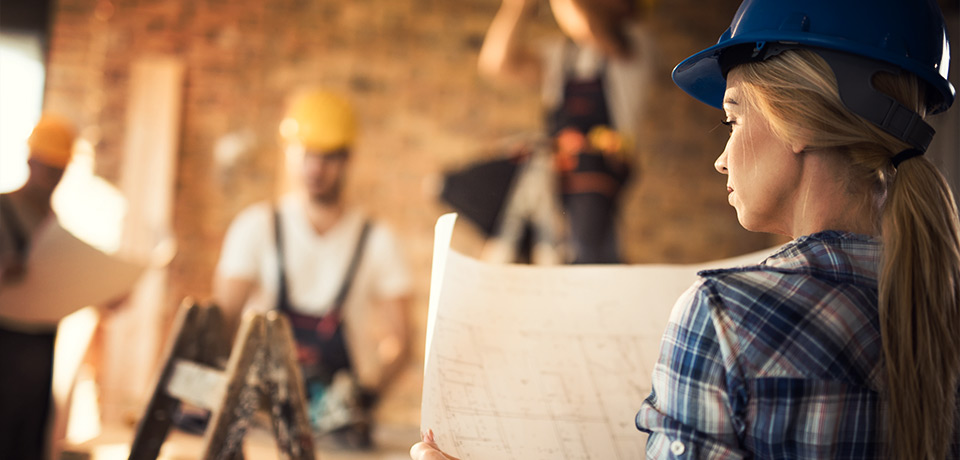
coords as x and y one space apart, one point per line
728 123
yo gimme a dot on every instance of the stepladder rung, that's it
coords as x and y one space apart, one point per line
197 384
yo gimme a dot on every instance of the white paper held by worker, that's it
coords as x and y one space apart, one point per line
63 275
544 362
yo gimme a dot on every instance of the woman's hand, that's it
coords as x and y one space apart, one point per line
427 449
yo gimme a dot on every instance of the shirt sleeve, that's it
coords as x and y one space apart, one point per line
690 414
391 274
242 245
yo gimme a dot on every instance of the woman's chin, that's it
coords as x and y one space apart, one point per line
748 223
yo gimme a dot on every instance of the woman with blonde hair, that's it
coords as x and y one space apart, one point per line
843 343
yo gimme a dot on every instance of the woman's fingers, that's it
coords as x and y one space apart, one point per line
424 451
427 449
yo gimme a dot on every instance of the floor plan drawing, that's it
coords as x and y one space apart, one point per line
544 362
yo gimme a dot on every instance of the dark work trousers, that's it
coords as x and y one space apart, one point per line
593 235
26 374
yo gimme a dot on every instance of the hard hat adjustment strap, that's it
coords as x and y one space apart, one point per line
855 82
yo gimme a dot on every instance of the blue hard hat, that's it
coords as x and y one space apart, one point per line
907 34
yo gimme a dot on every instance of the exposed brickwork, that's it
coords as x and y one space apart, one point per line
410 68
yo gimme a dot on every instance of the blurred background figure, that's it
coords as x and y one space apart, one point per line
26 350
562 205
337 274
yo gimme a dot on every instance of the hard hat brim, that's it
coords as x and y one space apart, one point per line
701 76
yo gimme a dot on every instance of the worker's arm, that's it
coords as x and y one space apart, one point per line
393 350
231 294
503 56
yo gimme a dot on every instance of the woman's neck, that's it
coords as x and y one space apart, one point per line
826 201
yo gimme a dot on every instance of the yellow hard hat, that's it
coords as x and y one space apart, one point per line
320 121
51 141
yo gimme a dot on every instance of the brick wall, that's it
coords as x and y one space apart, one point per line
410 68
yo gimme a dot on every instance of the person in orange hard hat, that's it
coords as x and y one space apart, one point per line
337 274
26 351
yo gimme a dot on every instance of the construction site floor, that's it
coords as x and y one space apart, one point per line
392 443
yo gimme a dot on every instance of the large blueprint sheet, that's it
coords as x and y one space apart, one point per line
544 362
63 275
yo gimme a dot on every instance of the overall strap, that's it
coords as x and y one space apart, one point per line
583 103
352 268
283 299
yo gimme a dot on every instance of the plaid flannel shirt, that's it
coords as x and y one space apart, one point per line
778 360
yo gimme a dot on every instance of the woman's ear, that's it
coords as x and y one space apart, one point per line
798 148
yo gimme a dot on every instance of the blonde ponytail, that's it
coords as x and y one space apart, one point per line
920 310
916 214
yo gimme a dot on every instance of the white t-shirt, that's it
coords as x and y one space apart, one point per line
315 267
315 264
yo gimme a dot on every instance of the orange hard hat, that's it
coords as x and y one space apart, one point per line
51 141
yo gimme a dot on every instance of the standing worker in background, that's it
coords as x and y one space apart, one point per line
339 277
26 351
592 86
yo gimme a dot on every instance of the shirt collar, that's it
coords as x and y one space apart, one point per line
836 253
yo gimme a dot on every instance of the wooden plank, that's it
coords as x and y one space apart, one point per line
214 344
197 384
231 416
285 391
155 424
147 178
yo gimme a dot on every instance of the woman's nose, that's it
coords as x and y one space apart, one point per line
721 164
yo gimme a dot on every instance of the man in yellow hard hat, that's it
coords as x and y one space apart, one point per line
26 351
339 276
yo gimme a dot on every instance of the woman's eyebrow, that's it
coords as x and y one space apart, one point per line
730 101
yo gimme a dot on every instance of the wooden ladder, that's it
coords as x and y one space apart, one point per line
261 372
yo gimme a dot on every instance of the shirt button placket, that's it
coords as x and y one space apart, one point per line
677 448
